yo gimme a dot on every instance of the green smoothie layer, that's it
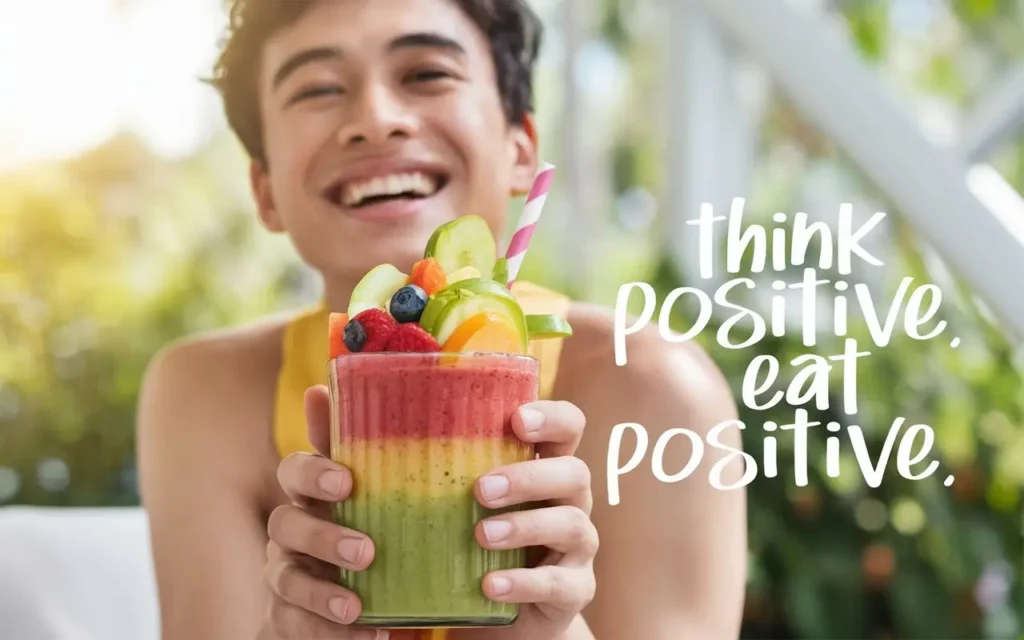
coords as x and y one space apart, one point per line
428 564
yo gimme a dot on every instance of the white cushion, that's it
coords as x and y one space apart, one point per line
76 574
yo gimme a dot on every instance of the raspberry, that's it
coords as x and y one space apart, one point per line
411 338
377 326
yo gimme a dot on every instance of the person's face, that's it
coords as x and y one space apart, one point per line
382 120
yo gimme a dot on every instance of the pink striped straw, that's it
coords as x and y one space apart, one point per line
520 241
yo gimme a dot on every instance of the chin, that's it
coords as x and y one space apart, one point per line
402 255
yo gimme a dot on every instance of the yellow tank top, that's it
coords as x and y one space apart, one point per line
304 362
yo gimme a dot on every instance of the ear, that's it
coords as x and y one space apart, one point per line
259 180
524 156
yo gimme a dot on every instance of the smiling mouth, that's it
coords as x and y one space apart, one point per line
410 185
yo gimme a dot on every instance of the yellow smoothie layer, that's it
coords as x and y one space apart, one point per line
425 467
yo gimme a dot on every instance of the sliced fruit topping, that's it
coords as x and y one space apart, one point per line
411 338
465 273
369 331
376 288
336 334
408 303
464 242
456 290
546 326
428 274
464 307
485 332
500 271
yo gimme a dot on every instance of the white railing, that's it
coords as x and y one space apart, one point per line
965 211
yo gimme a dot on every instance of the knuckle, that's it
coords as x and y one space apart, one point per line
574 415
284 580
320 540
558 588
584 533
580 473
286 469
278 521
587 591
531 522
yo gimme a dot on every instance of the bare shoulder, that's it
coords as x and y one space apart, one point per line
682 374
213 392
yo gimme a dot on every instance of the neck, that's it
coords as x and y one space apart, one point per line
337 291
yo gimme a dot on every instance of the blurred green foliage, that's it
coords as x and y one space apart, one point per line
105 259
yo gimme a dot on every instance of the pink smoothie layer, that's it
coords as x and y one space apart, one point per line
415 396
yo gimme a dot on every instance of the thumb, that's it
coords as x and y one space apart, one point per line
318 419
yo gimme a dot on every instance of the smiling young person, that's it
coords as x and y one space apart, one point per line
369 123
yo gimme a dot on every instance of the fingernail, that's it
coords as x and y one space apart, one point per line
338 607
493 487
500 586
382 634
330 482
496 530
351 549
533 420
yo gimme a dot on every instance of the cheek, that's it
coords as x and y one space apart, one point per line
480 141
293 151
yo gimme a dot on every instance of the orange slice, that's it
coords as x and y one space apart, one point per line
427 274
336 332
486 332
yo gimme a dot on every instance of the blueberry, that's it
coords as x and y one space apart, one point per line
354 336
408 303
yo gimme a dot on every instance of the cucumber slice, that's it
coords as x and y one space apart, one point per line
464 289
500 272
547 326
465 273
464 242
374 291
465 307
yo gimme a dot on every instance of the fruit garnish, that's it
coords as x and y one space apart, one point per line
408 303
411 338
465 273
500 271
336 334
369 331
547 326
467 305
464 289
376 288
428 274
463 242
485 332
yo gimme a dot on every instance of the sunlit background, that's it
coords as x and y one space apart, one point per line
126 222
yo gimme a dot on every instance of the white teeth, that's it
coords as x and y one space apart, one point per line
420 184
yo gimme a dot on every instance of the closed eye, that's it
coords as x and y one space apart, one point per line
316 92
429 75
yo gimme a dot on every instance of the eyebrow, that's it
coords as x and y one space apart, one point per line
303 58
409 41
428 40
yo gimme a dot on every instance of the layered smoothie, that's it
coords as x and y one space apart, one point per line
426 369
417 430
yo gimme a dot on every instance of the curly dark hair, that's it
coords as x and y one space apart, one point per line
511 27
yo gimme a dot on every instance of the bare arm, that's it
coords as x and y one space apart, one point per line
673 556
199 483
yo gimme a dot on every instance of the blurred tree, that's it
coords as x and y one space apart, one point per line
103 261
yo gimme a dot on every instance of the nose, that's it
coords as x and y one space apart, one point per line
377 116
